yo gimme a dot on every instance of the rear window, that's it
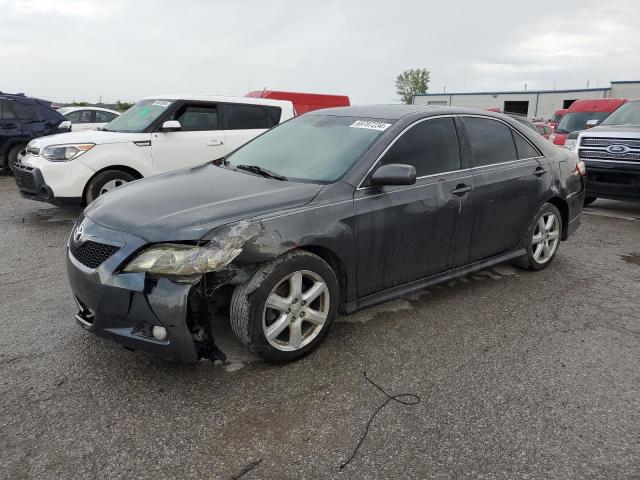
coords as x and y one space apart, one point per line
491 141
24 112
247 117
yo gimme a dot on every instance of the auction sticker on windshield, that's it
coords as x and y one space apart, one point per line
370 125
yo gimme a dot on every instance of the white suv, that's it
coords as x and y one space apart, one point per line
156 135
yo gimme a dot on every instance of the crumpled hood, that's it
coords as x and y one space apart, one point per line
98 137
186 204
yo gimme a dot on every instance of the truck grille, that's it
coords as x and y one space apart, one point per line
596 154
605 142
596 148
92 254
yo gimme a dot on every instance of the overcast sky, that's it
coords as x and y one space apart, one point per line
66 50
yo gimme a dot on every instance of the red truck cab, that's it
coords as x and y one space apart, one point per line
304 102
583 114
557 116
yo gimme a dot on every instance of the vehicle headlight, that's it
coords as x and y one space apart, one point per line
571 144
64 153
178 260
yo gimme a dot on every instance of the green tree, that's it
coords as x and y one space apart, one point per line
412 81
122 106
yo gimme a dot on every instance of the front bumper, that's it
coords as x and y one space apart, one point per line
59 183
123 307
614 180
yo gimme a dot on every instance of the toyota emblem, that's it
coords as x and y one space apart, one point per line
77 235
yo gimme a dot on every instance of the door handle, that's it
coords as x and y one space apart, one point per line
461 189
539 171
215 143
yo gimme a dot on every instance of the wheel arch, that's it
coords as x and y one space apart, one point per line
563 207
334 262
124 168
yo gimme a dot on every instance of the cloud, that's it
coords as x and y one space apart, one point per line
68 49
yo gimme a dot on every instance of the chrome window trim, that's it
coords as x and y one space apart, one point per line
450 115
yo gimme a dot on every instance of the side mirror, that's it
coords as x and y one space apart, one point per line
65 125
592 123
171 126
394 174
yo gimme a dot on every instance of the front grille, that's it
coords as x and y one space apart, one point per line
24 177
92 254
601 154
605 142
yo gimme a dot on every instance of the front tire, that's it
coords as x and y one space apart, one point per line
542 239
286 309
105 182
12 157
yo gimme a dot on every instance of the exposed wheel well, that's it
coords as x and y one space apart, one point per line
129 170
561 205
334 262
9 147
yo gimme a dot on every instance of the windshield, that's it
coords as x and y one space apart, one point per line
313 148
627 114
557 117
574 121
138 117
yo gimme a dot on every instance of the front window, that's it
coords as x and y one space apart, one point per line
627 114
314 148
557 117
574 121
138 118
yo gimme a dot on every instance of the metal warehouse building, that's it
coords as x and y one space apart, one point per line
538 104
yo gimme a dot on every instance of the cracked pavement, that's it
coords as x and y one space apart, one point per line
521 375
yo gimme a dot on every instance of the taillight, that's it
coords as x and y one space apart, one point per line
581 168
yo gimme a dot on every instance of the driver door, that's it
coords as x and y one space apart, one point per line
406 233
200 139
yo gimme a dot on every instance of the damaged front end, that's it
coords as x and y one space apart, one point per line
155 298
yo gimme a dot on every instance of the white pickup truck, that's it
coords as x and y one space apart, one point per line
158 134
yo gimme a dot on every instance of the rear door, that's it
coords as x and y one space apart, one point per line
10 126
508 177
244 122
200 139
405 233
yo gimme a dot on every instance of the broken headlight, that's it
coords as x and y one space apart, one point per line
180 260
64 153
174 259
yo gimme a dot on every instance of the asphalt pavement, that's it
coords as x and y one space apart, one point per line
519 375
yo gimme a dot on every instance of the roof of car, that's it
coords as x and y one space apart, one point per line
73 109
396 112
219 98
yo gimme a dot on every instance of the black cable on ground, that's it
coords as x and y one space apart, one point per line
402 398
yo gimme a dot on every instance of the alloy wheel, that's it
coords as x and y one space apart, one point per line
296 310
111 184
545 237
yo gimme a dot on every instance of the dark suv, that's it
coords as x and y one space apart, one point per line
23 119
334 210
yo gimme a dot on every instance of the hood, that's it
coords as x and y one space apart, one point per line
186 204
614 129
89 136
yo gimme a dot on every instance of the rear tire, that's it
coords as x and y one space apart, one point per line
279 321
589 200
104 182
542 238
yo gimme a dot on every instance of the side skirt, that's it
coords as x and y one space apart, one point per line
394 292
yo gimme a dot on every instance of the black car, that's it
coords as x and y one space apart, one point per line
330 212
611 153
23 119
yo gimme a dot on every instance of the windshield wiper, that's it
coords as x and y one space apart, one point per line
261 171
